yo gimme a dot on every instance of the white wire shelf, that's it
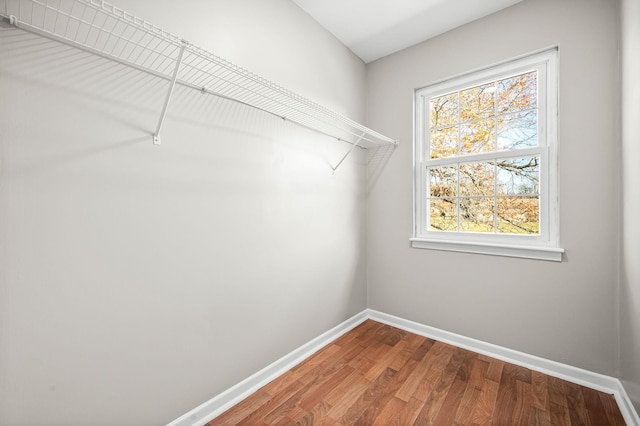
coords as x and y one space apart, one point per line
105 30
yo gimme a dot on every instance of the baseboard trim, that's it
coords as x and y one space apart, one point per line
566 372
629 391
227 399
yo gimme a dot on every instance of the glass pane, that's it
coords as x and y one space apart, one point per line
519 130
443 181
443 110
518 215
478 136
518 93
443 142
443 214
477 178
478 102
476 214
518 176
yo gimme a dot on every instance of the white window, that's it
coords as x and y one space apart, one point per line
485 161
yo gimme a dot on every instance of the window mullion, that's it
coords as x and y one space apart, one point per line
459 146
495 163
458 197
495 195
485 156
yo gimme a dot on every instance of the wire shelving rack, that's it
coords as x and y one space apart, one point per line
103 29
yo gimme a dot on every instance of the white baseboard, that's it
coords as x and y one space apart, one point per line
222 402
227 399
600 382
630 390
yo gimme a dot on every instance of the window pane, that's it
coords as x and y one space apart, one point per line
518 215
443 181
478 136
476 214
518 93
443 214
443 110
519 130
477 178
443 142
518 176
477 102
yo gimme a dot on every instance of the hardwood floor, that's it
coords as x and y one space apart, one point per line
380 375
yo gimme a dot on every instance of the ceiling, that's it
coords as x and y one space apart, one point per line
376 28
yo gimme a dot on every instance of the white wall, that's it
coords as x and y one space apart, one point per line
138 281
562 311
630 277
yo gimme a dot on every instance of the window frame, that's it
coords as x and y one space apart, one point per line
545 245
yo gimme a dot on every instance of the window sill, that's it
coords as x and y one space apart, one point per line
527 252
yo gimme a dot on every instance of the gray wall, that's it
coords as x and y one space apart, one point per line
561 311
630 277
138 281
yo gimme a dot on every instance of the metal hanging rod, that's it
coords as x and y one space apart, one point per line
102 29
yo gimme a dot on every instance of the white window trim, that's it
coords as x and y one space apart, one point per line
544 246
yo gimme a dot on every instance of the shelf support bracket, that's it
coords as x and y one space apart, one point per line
355 144
174 78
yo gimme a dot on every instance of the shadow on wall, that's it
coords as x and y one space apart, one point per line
377 160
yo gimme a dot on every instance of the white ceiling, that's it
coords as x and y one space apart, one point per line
376 28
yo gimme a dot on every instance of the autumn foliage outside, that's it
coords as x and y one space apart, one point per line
494 124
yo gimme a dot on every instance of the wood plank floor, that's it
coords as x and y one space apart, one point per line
380 375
